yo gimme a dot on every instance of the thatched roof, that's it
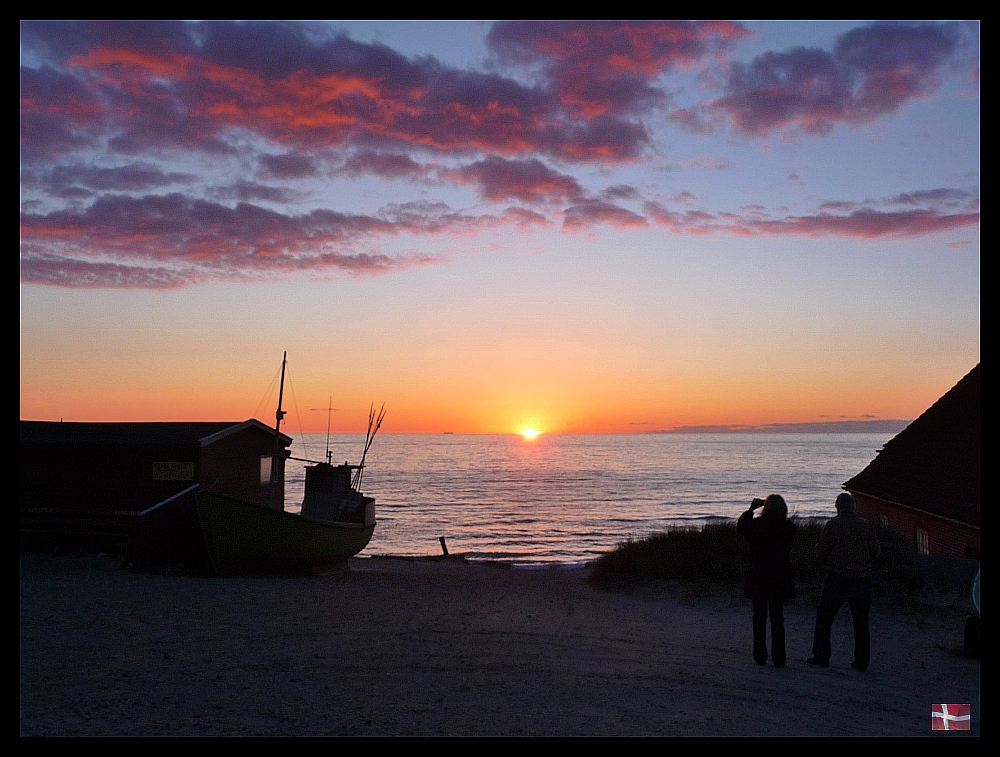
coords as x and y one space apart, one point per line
933 464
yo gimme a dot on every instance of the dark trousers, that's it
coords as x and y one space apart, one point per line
776 609
857 592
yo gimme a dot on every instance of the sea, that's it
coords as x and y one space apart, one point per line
563 500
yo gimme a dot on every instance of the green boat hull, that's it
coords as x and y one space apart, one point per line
243 537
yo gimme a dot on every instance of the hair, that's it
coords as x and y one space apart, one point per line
775 503
845 503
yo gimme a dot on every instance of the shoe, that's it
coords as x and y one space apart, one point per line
818 662
857 667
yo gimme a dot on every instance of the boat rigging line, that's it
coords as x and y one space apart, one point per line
298 415
268 393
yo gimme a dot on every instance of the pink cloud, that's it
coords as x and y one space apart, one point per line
189 85
171 240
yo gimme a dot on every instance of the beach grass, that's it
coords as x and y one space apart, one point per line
713 559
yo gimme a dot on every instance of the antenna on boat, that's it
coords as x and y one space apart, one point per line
278 416
369 438
329 409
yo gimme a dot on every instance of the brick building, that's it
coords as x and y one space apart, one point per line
83 482
925 482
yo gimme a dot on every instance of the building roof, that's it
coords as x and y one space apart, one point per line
58 433
933 464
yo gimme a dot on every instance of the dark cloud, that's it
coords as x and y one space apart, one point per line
609 71
872 72
58 114
941 197
938 200
712 162
384 165
842 206
53 270
175 225
621 192
865 223
801 87
71 193
251 191
524 218
833 219
897 63
134 177
525 180
74 272
695 120
61 40
289 166
597 67
597 212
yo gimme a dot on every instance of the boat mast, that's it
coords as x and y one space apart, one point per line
278 416
329 409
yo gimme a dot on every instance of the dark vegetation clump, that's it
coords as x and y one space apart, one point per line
714 559
714 553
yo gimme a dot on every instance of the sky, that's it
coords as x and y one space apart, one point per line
579 227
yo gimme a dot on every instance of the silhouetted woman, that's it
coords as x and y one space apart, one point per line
769 581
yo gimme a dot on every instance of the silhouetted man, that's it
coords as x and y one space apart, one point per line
848 548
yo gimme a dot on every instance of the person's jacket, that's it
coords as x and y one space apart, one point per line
849 546
770 573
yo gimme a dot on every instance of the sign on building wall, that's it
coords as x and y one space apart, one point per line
173 471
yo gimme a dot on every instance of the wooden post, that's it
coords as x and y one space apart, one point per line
444 547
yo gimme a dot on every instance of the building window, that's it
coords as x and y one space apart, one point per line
923 540
883 520
265 469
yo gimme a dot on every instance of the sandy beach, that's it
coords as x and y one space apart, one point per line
404 647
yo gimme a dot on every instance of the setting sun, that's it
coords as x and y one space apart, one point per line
529 433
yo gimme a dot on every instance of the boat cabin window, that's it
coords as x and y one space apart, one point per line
265 468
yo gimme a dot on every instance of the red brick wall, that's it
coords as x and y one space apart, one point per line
944 537
231 466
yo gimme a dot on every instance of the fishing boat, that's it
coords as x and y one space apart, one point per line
244 537
237 537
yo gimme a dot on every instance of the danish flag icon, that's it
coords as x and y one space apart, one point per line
950 717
